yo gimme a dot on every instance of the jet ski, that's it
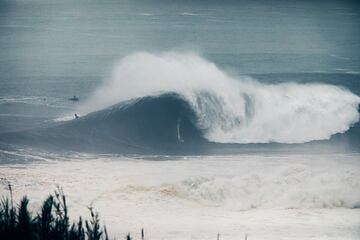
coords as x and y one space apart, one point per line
74 98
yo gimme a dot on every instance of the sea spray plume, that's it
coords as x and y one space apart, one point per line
229 109
144 74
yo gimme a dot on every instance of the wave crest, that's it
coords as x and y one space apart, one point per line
231 109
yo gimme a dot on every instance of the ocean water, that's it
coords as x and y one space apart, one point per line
237 117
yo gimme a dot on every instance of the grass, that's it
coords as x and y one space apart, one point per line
51 223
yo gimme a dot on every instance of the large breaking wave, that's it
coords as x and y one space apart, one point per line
230 109
179 103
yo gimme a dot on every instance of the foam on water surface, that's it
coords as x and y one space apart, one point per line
265 196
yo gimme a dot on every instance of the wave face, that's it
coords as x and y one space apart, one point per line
176 103
229 109
165 121
156 124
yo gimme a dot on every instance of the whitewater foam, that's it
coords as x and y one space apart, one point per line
310 196
231 109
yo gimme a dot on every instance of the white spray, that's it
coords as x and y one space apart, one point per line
229 109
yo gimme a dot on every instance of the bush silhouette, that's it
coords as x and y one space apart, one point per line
51 223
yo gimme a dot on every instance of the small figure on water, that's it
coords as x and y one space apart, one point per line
76 116
74 98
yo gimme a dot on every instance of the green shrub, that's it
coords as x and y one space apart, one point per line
52 223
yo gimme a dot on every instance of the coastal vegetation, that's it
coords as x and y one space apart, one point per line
52 222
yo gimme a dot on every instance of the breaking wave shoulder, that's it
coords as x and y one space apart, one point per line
181 103
230 109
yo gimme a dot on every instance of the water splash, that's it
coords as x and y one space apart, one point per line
231 109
